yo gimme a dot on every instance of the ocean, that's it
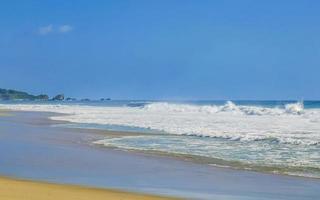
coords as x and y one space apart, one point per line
270 136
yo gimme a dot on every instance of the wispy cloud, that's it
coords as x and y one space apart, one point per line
65 28
44 30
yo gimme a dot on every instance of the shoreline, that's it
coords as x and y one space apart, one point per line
32 149
218 163
16 189
208 161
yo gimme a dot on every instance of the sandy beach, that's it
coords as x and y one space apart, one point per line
33 148
13 189
17 189
197 100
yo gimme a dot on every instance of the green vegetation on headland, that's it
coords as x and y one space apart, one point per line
19 95
8 94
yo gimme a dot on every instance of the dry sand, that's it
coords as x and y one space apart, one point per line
11 189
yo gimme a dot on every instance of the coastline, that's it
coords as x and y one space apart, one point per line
42 152
16 189
98 134
215 162
271 139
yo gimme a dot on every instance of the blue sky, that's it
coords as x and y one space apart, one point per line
162 49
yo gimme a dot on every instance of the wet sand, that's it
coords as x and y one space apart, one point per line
31 148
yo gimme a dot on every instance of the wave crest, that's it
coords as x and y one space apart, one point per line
229 106
290 124
295 108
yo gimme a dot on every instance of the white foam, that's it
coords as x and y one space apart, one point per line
291 124
296 108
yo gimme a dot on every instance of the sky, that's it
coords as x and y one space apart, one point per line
162 49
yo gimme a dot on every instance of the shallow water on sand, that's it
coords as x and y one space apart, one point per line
29 148
272 136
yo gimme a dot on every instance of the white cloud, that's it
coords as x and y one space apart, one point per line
65 28
44 30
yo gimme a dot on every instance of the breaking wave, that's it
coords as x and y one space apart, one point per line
290 124
293 108
280 139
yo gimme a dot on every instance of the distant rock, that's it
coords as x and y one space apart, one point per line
43 97
105 99
85 99
59 97
71 99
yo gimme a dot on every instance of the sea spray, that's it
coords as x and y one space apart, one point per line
287 136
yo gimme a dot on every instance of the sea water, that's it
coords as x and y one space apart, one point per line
273 136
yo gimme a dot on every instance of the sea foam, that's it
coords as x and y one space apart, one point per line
292 124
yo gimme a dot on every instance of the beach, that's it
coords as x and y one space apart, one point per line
32 147
199 100
13 189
